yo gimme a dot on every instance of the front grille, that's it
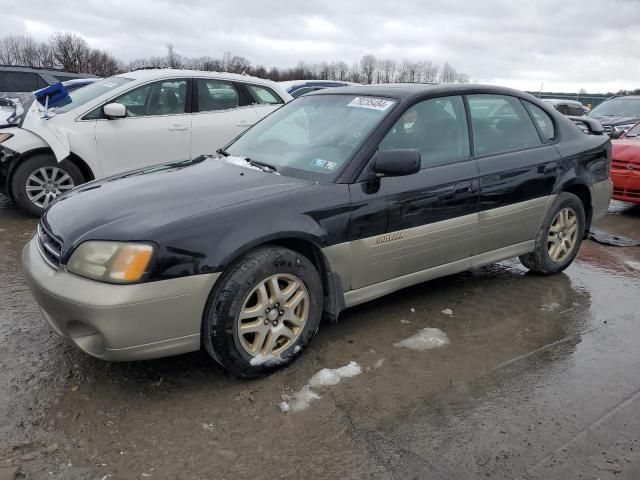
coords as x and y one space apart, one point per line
608 129
50 247
627 192
619 164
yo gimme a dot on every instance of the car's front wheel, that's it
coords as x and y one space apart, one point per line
38 180
263 311
559 238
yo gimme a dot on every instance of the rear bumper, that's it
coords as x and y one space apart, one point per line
600 198
120 322
626 184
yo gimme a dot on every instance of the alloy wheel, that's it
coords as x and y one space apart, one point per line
563 235
273 315
46 183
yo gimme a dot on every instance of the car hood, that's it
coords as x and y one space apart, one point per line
626 150
613 119
131 206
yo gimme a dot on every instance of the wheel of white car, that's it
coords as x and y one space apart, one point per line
39 179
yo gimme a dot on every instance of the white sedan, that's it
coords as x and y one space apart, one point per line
127 121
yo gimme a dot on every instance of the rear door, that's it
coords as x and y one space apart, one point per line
157 127
513 142
222 111
402 225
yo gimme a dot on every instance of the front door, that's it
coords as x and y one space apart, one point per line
402 225
518 169
157 128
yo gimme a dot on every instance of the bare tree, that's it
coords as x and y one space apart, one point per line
448 74
173 59
70 51
462 78
387 68
368 65
342 70
428 71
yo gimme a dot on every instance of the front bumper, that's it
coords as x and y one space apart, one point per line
120 322
626 183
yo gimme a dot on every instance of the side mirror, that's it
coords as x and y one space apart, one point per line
397 162
617 133
114 110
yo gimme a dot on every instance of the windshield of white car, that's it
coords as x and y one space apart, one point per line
314 136
618 108
90 92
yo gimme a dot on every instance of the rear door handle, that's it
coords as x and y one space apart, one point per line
244 123
178 128
463 187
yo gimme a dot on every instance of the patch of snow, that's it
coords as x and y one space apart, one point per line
296 349
425 339
413 310
208 427
239 161
333 376
550 307
447 311
301 399
405 322
266 360
379 363
633 265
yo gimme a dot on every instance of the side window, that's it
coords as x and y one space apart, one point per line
562 108
574 110
263 95
167 97
436 127
216 95
500 124
545 124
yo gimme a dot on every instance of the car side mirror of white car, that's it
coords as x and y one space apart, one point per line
114 110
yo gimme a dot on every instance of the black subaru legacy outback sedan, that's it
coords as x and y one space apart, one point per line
337 198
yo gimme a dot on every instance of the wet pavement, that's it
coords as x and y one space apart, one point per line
539 381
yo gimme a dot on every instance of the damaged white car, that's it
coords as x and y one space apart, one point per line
124 122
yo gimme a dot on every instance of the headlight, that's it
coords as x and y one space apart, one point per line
623 127
112 262
5 136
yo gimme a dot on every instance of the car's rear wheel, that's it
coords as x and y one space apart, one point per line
38 180
560 236
263 311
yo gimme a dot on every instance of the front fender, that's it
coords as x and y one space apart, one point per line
48 130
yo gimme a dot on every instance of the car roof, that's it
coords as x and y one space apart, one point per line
409 91
555 101
160 73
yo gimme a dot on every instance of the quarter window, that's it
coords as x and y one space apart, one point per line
500 124
543 120
160 98
216 95
264 95
436 127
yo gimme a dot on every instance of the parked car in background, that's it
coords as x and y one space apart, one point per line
617 114
136 119
625 166
297 88
571 108
339 197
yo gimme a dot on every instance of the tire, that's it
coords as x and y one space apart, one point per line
42 166
270 340
558 231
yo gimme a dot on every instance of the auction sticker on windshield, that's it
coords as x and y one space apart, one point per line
373 103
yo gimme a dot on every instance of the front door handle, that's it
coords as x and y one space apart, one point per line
244 123
463 187
550 168
178 128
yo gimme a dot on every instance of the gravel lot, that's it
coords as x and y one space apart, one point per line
539 381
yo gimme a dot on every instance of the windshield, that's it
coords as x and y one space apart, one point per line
79 97
633 132
313 137
618 107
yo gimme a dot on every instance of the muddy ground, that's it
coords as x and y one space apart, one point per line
540 381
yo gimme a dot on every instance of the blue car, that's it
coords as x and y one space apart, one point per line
297 88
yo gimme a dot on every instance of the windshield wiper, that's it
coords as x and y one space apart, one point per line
223 152
261 165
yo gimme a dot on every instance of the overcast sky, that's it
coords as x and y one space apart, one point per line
567 44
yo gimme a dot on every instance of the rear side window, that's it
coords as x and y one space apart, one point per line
216 95
500 124
543 120
263 95
436 127
575 110
19 82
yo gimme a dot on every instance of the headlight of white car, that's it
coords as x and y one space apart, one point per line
112 262
5 136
